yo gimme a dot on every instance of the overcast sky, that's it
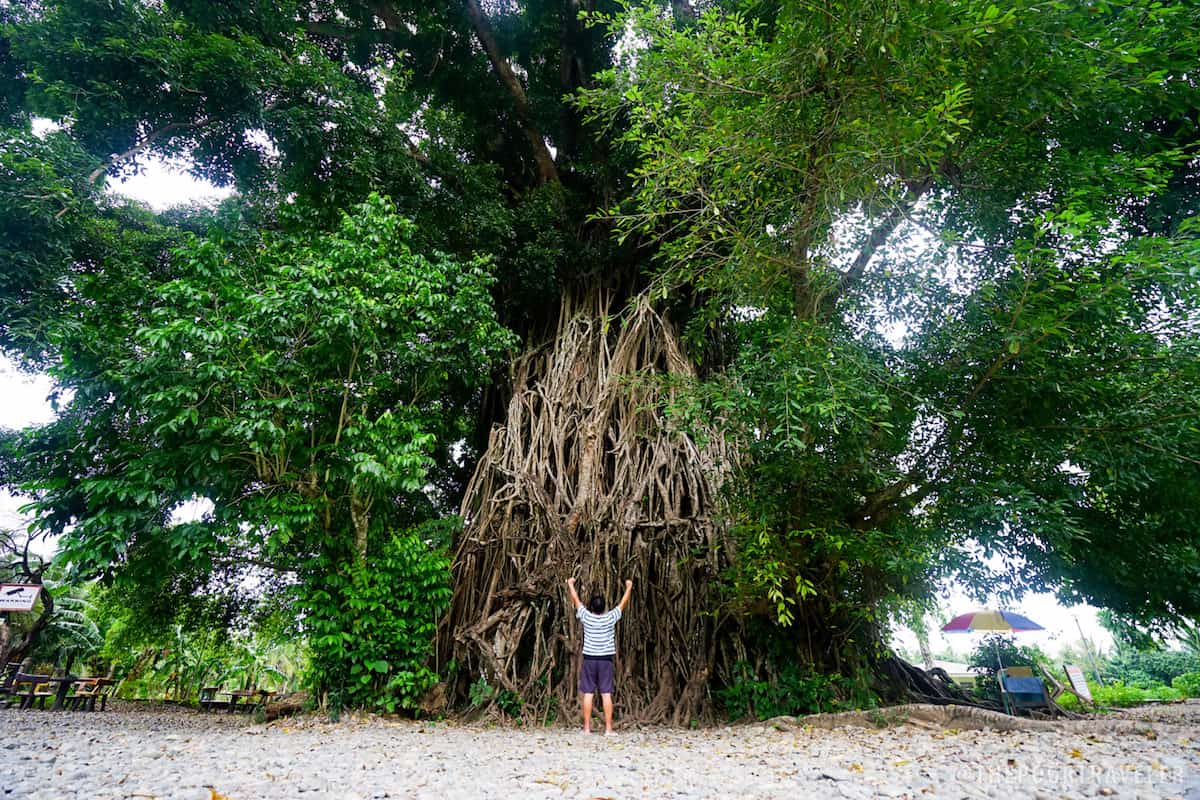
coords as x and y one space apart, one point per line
162 185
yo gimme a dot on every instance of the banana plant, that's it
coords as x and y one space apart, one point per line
253 663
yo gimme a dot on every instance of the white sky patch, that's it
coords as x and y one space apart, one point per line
10 516
163 184
263 141
25 397
42 126
24 401
195 510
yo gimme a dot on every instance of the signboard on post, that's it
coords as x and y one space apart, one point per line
19 596
1079 683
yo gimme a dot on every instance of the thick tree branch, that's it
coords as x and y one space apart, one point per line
142 146
883 231
572 74
805 303
541 153
684 13
348 33
389 16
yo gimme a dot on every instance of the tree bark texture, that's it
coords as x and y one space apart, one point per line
587 478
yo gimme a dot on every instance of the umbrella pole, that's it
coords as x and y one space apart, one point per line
1000 676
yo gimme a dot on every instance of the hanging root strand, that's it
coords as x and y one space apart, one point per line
587 478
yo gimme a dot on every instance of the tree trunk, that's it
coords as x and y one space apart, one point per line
587 478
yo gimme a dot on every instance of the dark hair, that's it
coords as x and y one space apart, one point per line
596 604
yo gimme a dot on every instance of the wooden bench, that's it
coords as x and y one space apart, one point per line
29 689
87 691
248 700
208 699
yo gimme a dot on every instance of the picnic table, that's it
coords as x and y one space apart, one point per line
28 688
244 699
88 691
208 698
61 690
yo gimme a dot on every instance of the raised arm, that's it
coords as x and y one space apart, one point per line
625 597
574 594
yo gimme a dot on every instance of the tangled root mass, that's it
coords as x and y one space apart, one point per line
586 478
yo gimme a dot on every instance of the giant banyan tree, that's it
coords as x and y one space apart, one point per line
940 259
584 477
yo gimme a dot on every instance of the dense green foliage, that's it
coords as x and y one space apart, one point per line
1188 684
262 378
1145 669
792 691
1118 695
938 263
953 250
369 626
175 665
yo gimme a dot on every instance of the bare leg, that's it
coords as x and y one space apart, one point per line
587 711
606 699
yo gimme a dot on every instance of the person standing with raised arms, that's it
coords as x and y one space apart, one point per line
599 648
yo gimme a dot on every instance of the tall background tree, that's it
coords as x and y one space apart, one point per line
956 248
811 300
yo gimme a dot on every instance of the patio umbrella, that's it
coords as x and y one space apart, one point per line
988 620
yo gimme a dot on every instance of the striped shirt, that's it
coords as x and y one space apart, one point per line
598 631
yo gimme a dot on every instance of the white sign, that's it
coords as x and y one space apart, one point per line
18 596
1079 683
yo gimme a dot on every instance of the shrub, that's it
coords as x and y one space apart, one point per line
371 625
1136 677
1070 702
1121 695
1188 684
506 700
1146 668
792 691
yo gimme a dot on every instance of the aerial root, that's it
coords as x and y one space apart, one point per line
588 478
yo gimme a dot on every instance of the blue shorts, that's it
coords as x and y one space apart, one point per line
596 676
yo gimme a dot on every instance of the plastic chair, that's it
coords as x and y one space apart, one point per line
1022 690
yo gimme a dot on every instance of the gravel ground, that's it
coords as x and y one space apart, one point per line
161 753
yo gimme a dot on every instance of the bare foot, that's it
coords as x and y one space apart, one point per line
610 733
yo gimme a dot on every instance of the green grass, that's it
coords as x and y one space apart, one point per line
1119 695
